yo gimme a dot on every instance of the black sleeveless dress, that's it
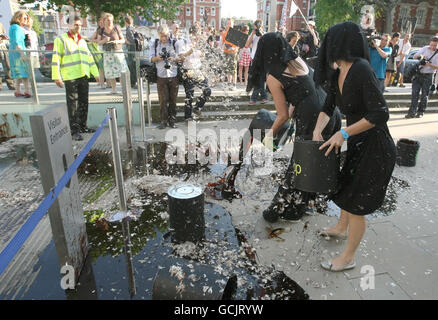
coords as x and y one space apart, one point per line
371 154
308 101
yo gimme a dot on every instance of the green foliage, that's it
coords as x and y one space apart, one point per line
331 12
36 25
153 9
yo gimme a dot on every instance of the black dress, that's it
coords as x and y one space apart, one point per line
371 154
308 100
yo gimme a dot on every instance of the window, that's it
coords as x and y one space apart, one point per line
421 17
213 12
201 11
403 12
213 23
188 12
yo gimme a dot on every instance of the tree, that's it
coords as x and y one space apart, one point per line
331 12
155 9
386 6
36 25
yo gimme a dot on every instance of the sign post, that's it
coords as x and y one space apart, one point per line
53 145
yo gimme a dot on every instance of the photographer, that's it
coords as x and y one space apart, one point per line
423 79
379 55
252 43
164 56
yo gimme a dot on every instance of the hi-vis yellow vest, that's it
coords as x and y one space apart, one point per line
72 60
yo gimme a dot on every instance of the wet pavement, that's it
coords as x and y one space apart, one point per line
403 228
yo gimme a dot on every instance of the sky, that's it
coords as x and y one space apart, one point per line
239 8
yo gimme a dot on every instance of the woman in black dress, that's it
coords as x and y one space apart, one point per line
370 147
290 82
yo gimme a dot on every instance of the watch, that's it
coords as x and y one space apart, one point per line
345 134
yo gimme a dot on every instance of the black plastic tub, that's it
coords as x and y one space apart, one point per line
314 172
407 152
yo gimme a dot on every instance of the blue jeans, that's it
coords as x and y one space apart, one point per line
422 82
257 91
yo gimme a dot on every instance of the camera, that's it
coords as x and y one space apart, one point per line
374 41
165 56
423 61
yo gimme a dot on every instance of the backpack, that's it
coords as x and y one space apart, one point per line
139 41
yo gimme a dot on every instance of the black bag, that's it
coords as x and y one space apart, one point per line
150 72
109 46
27 40
139 41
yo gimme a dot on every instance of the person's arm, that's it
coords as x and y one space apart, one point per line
384 54
101 39
58 51
325 114
281 105
121 39
250 39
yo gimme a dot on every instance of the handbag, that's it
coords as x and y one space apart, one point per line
109 46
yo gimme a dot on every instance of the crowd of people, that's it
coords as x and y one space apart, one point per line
204 58
22 46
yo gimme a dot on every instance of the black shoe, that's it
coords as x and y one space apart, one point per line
87 130
409 116
172 125
293 213
419 115
77 136
162 126
270 215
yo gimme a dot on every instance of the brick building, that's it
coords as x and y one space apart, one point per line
423 13
206 12
296 22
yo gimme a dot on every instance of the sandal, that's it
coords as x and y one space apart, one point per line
325 233
327 265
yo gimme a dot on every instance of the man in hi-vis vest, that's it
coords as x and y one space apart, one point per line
72 64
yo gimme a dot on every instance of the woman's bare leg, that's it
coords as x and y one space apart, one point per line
356 230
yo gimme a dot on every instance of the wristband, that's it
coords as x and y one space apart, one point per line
345 134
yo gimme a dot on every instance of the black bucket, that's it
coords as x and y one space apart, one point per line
186 212
192 281
407 152
264 119
314 172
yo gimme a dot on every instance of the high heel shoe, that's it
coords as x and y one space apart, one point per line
17 94
325 233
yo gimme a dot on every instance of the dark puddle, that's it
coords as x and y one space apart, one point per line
105 275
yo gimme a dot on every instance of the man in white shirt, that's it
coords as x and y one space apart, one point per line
404 48
428 56
164 54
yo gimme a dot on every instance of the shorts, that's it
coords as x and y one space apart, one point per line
230 63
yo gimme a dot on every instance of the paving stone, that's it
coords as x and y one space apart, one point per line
385 288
